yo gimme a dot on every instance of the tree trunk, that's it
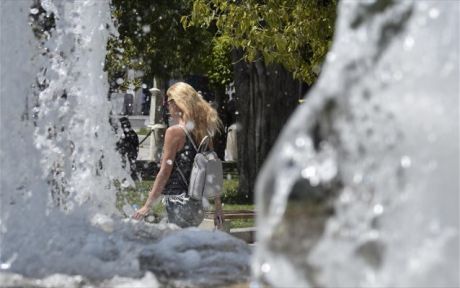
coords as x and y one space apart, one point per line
266 97
221 138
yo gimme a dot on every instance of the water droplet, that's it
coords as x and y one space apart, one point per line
190 125
308 172
358 178
406 162
146 29
434 13
378 209
34 11
6 265
265 268
238 126
210 178
328 170
346 197
300 142
169 162
120 81
331 57
314 181
408 43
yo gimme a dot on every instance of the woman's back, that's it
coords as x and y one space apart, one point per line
184 161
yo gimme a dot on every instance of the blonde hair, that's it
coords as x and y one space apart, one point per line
201 119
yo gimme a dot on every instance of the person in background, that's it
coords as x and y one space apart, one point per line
146 98
188 113
128 146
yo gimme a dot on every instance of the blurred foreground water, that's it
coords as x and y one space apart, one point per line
362 188
364 191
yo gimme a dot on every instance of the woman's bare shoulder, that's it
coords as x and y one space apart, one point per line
175 132
175 129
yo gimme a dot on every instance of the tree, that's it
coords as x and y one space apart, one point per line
280 41
151 39
294 33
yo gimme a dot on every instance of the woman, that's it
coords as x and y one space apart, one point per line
194 114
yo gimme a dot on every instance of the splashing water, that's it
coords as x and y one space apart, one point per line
59 165
361 190
55 156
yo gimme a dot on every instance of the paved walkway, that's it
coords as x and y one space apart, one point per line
144 148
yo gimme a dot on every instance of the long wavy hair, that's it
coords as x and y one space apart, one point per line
200 117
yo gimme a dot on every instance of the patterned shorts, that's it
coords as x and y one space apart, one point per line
183 211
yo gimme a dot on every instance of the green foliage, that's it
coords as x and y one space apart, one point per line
242 223
220 71
143 131
138 194
296 33
151 39
121 57
231 201
230 193
237 207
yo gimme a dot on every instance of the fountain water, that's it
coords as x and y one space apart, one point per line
361 190
58 166
367 194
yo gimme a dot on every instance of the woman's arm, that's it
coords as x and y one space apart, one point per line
173 137
218 213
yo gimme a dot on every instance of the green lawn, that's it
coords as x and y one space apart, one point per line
239 223
136 196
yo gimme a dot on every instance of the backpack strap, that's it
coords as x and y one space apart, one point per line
205 141
181 174
190 138
203 144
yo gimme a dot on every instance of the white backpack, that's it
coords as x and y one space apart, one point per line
206 179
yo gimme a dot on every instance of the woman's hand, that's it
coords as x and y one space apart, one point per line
218 214
219 219
141 213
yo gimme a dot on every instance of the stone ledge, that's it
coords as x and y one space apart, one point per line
245 234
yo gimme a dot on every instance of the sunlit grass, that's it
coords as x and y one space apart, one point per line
136 196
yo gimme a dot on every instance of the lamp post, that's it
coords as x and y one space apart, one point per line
158 129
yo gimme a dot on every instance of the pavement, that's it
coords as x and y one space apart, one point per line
144 148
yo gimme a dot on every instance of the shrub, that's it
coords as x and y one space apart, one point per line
230 192
143 131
